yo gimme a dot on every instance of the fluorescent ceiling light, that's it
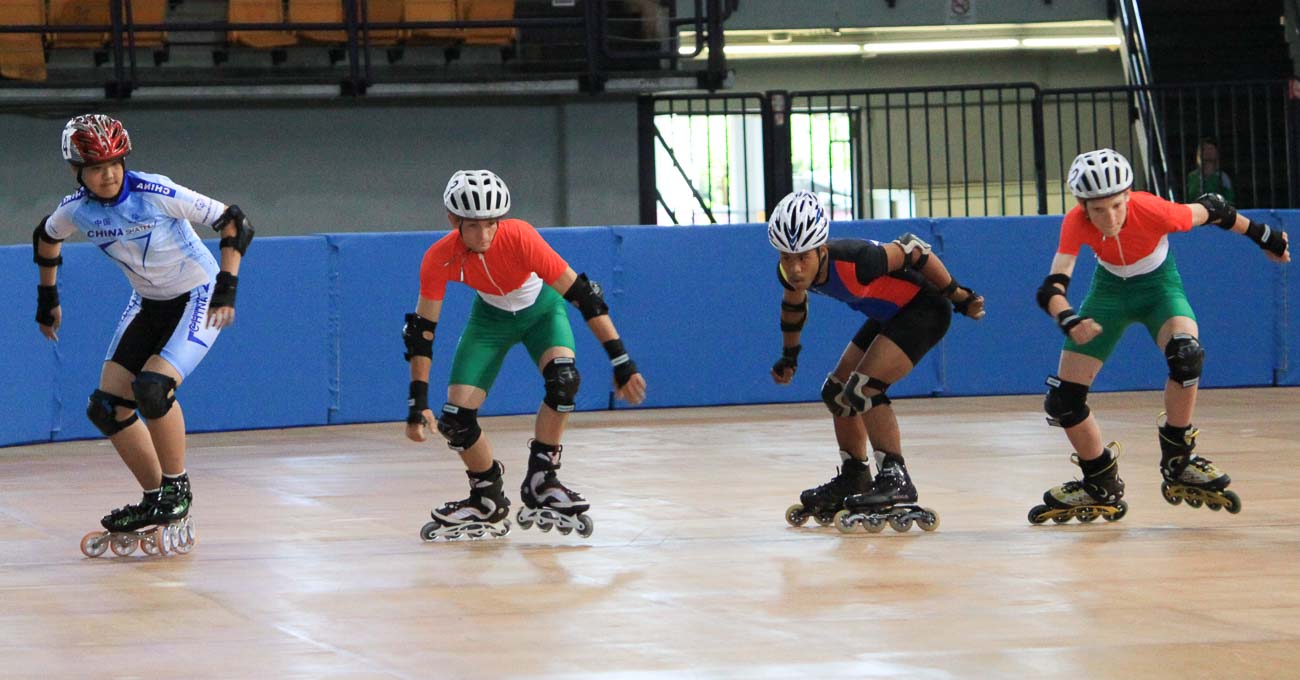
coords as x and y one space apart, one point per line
940 46
792 50
1075 42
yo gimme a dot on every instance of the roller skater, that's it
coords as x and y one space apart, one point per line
483 513
181 301
548 503
1136 281
522 285
908 297
890 500
822 502
1098 495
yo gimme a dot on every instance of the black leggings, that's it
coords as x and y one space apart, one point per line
916 328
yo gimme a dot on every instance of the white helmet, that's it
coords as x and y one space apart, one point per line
798 223
1100 173
476 195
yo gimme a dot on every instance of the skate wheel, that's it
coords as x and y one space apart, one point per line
1038 514
164 539
585 526
795 515
824 519
1234 502
94 544
1193 502
1170 495
1121 509
183 538
928 522
564 529
874 525
1061 519
842 522
476 533
900 524
524 522
1086 515
123 544
149 544
428 532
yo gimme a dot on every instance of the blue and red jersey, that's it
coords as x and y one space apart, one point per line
858 275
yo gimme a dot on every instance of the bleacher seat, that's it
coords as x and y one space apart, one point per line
318 11
79 12
488 10
258 12
385 11
22 55
148 12
432 10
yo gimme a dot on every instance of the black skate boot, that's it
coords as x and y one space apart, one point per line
548 503
136 525
822 502
484 512
1189 477
890 500
1097 495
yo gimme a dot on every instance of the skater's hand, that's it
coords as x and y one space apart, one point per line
1085 331
1286 254
632 391
51 332
220 317
785 374
419 432
972 305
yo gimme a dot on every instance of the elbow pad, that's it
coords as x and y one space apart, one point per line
243 229
586 295
1221 214
1049 289
39 235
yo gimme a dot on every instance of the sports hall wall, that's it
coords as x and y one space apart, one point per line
317 334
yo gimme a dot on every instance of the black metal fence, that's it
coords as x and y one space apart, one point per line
995 149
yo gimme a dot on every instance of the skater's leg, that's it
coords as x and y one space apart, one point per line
155 390
562 381
1064 403
132 442
460 428
1177 339
850 433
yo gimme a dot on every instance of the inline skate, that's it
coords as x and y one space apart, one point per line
890 500
1097 495
547 502
158 525
1189 478
485 512
822 502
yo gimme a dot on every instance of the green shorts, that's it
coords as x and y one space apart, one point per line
1150 299
490 333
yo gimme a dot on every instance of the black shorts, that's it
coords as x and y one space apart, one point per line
146 334
916 328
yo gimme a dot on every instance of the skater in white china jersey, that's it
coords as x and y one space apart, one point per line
182 298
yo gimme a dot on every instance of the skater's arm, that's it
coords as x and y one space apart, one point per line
629 384
794 314
236 234
1212 209
1051 298
47 254
417 335
910 251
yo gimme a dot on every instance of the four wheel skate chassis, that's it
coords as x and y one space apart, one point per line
544 519
164 539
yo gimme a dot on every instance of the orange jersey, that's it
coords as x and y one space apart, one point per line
1142 244
508 276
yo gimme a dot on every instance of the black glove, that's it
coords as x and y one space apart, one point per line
789 359
963 307
624 367
47 298
1266 237
224 293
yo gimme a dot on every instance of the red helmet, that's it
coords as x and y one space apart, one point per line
94 138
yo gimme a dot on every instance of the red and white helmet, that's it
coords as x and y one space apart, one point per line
94 138
476 195
1100 173
799 223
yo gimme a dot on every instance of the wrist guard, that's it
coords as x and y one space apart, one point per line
417 402
789 359
1266 237
223 294
1067 319
47 298
624 367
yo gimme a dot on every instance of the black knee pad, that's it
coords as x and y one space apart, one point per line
853 391
1066 403
562 381
459 426
101 410
153 391
833 397
881 399
1185 357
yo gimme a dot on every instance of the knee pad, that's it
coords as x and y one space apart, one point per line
153 391
833 396
459 426
1185 357
853 390
101 410
881 399
562 381
1066 403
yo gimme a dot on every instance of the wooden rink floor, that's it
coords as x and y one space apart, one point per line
308 563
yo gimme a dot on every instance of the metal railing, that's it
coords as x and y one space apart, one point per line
971 150
600 53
